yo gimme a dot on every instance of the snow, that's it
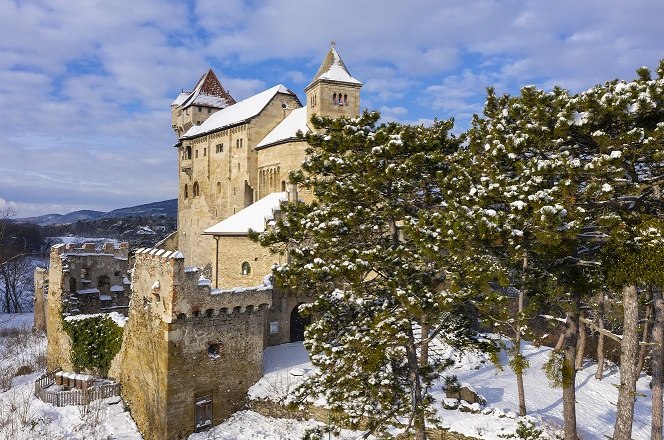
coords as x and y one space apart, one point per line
336 69
253 217
287 365
117 288
249 425
286 129
118 318
237 113
182 97
87 291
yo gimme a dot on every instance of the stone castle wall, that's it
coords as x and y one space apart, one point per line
41 292
184 340
73 288
224 168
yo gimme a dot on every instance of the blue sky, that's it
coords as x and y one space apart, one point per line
86 85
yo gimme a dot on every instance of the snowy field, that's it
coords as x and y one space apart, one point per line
24 417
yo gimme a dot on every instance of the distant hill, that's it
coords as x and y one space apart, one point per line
63 219
166 208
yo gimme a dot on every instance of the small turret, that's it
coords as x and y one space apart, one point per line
192 108
333 91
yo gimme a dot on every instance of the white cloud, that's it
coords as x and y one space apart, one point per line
85 87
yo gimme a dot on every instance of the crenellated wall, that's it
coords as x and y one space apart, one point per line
185 340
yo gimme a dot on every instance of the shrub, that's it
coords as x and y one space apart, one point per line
95 342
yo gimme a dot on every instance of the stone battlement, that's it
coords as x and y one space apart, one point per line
175 291
88 249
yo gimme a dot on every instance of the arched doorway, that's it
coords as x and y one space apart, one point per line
297 324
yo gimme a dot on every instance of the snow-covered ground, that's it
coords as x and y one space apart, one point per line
23 417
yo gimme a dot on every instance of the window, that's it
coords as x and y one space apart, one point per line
238 167
187 152
334 98
345 99
274 327
203 412
218 188
209 110
196 189
196 154
200 109
205 151
215 349
220 147
246 268
186 191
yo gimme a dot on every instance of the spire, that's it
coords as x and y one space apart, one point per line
209 92
334 69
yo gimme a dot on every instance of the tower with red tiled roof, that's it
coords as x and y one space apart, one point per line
193 108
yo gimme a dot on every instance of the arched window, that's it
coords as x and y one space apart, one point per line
186 191
334 98
196 189
246 268
345 99
283 185
187 152
218 188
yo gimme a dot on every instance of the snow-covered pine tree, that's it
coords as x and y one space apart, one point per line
380 299
621 132
511 204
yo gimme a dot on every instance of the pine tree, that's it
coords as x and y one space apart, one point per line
621 132
511 203
380 299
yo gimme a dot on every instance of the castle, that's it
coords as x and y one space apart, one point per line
200 308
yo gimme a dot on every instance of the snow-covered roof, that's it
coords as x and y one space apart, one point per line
334 69
252 217
237 113
208 92
181 98
286 129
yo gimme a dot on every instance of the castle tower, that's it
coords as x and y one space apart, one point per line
333 91
192 108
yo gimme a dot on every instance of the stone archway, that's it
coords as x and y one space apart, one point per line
297 324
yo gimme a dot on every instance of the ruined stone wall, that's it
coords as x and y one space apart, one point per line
73 288
41 292
165 361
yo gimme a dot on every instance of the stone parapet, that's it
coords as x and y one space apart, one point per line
119 251
173 291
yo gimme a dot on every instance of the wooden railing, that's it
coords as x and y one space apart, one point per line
75 396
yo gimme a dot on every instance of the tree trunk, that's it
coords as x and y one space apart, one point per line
657 354
580 343
417 410
569 373
645 336
424 343
518 371
561 341
600 337
628 351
